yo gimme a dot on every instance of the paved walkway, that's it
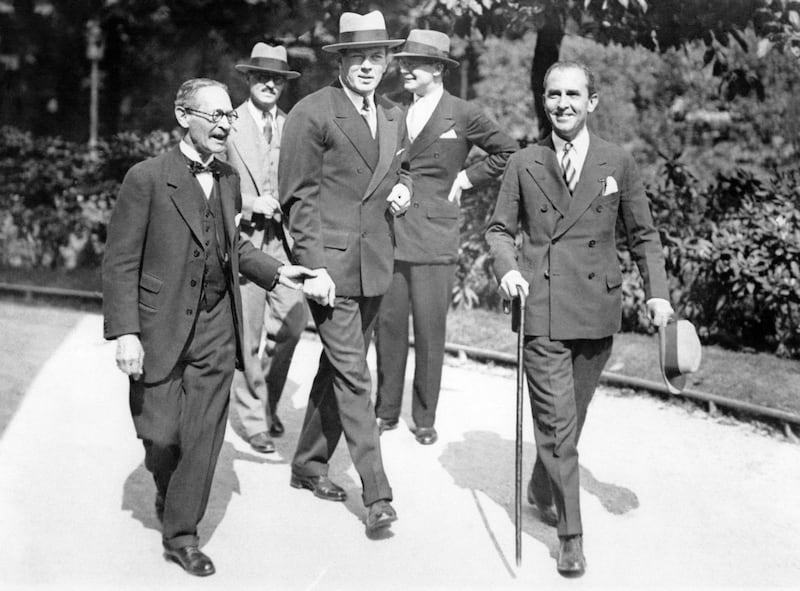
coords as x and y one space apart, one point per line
671 499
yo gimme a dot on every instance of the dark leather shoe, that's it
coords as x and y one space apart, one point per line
426 435
276 429
322 487
380 514
547 511
160 507
191 559
386 424
262 443
571 561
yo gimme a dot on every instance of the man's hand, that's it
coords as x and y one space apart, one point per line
509 284
660 311
293 276
267 206
399 199
460 184
320 288
130 355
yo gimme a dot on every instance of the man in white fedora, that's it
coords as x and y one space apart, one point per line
341 184
441 130
253 149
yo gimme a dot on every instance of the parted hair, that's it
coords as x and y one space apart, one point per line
567 64
190 88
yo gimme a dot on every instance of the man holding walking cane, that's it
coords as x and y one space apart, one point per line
564 196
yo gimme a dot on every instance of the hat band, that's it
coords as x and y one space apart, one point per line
363 36
268 63
424 49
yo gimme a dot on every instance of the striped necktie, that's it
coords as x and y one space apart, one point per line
568 168
268 127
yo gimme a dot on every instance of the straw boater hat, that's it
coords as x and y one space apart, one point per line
362 30
428 44
679 353
266 58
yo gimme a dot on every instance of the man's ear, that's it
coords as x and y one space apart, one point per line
181 117
593 100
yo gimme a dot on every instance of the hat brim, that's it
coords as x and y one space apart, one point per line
246 68
337 47
451 63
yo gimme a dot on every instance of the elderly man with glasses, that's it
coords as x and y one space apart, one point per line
171 302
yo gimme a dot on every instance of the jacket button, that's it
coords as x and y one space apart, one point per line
359 170
592 243
554 240
193 283
599 208
363 234
547 274
188 311
416 204
591 275
543 208
196 253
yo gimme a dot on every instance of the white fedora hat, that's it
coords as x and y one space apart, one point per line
427 44
362 30
266 58
679 353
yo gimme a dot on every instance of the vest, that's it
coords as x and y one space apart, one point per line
215 283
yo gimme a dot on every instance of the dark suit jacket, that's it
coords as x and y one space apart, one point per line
430 231
154 259
568 252
335 202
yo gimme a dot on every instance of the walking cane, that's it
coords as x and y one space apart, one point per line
518 325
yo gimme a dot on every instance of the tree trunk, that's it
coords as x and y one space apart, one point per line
548 42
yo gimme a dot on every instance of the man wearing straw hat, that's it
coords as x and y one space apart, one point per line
564 197
253 149
441 130
341 183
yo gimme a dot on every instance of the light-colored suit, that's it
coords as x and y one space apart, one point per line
334 181
569 258
280 313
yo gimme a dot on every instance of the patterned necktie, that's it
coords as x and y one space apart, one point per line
196 167
568 168
369 116
268 127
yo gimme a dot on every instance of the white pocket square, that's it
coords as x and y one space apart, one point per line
609 185
236 219
450 134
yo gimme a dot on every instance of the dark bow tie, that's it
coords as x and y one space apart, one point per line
196 167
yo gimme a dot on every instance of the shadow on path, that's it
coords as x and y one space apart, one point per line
484 462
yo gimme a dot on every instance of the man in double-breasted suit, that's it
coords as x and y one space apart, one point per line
341 182
564 197
441 130
254 149
171 302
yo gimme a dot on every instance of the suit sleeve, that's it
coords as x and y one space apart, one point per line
503 226
487 135
642 237
127 230
300 172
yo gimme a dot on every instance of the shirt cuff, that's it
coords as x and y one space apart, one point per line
463 180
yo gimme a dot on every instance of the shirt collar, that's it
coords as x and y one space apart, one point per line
580 144
192 154
355 98
258 114
432 97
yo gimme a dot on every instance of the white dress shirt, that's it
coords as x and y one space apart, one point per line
206 179
580 147
358 103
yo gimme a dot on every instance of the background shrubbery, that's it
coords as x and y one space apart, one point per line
721 175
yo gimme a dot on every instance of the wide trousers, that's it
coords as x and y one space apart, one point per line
562 377
425 291
282 314
340 398
181 421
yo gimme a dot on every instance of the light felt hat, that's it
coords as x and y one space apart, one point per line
362 30
679 353
427 44
266 58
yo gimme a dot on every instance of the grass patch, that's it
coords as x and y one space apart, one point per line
757 378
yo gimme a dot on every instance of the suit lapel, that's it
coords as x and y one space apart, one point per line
251 146
589 186
441 120
546 171
388 128
184 192
352 124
